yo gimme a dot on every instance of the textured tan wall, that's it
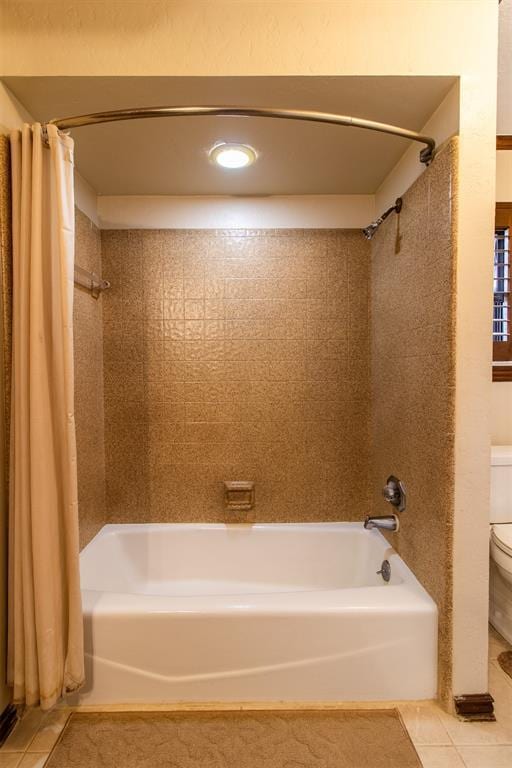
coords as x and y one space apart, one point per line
413 305
88 338
236 355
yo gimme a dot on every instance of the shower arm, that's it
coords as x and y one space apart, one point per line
371 229
396 208
66 123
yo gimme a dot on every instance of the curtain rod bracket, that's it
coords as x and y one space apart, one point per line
427 154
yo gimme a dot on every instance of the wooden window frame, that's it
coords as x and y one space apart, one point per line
503 142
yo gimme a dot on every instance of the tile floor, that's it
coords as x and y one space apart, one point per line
442 741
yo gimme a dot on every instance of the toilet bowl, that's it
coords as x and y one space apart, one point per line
501 549
500 582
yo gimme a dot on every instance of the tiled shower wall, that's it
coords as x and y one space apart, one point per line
88 340
413 387
236 356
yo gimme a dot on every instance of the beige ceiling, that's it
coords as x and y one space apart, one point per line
169 156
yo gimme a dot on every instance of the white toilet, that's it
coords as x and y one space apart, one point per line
500 586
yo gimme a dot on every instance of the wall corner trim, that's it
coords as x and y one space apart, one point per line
474 707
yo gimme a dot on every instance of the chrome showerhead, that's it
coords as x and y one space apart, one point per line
371 229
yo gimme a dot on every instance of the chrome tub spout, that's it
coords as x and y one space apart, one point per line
384 522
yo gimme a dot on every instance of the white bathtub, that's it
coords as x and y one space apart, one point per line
291 612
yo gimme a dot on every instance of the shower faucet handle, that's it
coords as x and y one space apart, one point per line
394 493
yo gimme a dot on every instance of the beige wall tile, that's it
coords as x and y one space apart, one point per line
245 363
89 409
412 381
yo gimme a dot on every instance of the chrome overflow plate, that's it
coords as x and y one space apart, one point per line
385 570
394 493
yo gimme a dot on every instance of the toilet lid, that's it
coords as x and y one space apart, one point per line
502 535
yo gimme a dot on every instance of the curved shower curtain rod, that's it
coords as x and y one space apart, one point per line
426 154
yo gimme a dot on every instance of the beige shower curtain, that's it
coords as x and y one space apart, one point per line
45 654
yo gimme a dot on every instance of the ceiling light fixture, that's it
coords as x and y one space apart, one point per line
233 156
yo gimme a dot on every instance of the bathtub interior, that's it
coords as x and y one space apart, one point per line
232 559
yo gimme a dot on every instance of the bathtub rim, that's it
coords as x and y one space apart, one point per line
410 595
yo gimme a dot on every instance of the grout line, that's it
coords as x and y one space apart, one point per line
453 744
38 729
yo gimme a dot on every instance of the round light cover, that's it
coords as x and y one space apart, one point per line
233 155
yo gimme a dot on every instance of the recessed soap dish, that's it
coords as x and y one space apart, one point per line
239 495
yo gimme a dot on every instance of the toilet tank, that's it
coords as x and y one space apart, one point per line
501 484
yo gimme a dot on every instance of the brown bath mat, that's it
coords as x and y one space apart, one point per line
235 739
505 662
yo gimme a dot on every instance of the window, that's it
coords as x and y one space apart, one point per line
501 319
502 309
